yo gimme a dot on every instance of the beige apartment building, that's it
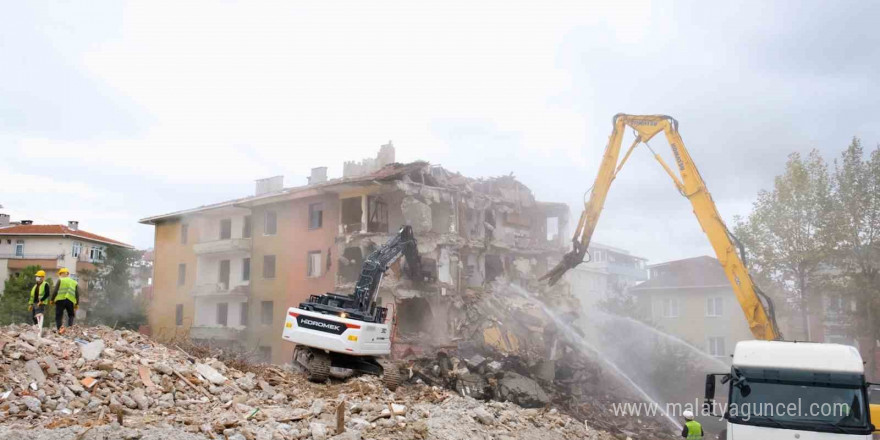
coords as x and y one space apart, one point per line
228 272
692 299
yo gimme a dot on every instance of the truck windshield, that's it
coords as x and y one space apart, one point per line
799 400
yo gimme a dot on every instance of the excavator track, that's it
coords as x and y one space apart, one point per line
319 366
390 374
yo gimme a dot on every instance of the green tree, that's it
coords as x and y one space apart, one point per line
111 298
13 303
789 233
857 227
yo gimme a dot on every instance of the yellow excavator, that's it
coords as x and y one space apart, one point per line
690 184
835 364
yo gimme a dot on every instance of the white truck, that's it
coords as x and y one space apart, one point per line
793 390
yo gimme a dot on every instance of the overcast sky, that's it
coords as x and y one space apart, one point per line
114 111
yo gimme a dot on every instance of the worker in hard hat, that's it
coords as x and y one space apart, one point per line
692 428
39 295
65 298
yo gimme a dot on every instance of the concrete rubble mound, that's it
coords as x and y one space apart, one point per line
100 383
512 350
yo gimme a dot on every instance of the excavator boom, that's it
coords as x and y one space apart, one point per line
690 184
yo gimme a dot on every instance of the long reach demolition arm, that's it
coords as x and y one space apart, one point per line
690 184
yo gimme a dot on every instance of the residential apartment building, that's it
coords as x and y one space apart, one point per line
228 272
609 270
692 299
51 247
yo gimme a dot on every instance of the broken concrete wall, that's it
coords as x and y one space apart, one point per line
417 214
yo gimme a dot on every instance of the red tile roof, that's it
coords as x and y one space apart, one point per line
58 230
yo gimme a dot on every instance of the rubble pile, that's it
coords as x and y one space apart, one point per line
512 351
93 383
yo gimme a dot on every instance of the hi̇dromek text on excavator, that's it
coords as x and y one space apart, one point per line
764 371
351 331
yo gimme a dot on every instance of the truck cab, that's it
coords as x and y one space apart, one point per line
800 390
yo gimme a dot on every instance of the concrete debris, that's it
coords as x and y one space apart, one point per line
84 397
211 374
35 371
92 350
32 403
318 430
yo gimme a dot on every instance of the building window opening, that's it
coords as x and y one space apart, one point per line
266 311
351 215
246 227
226 229
222 314
714 306
271 224
316 215
314 264
716 347
414 316
378 215
243 314
246 269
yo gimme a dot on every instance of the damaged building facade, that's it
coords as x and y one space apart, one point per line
229 271
470 232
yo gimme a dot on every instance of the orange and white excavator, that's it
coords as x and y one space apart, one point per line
765 371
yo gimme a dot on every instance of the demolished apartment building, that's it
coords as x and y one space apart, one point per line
470 232
229 271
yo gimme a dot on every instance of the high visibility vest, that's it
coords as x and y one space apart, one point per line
43 286
67 290
695 430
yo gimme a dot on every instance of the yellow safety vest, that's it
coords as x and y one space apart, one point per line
43 286
67 290
695 430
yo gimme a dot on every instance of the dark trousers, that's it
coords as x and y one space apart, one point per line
60 307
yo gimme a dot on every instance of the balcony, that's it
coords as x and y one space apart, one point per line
215 332
231 245
221 289
30 256
21 261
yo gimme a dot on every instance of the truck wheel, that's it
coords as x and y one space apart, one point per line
390 375
319 366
